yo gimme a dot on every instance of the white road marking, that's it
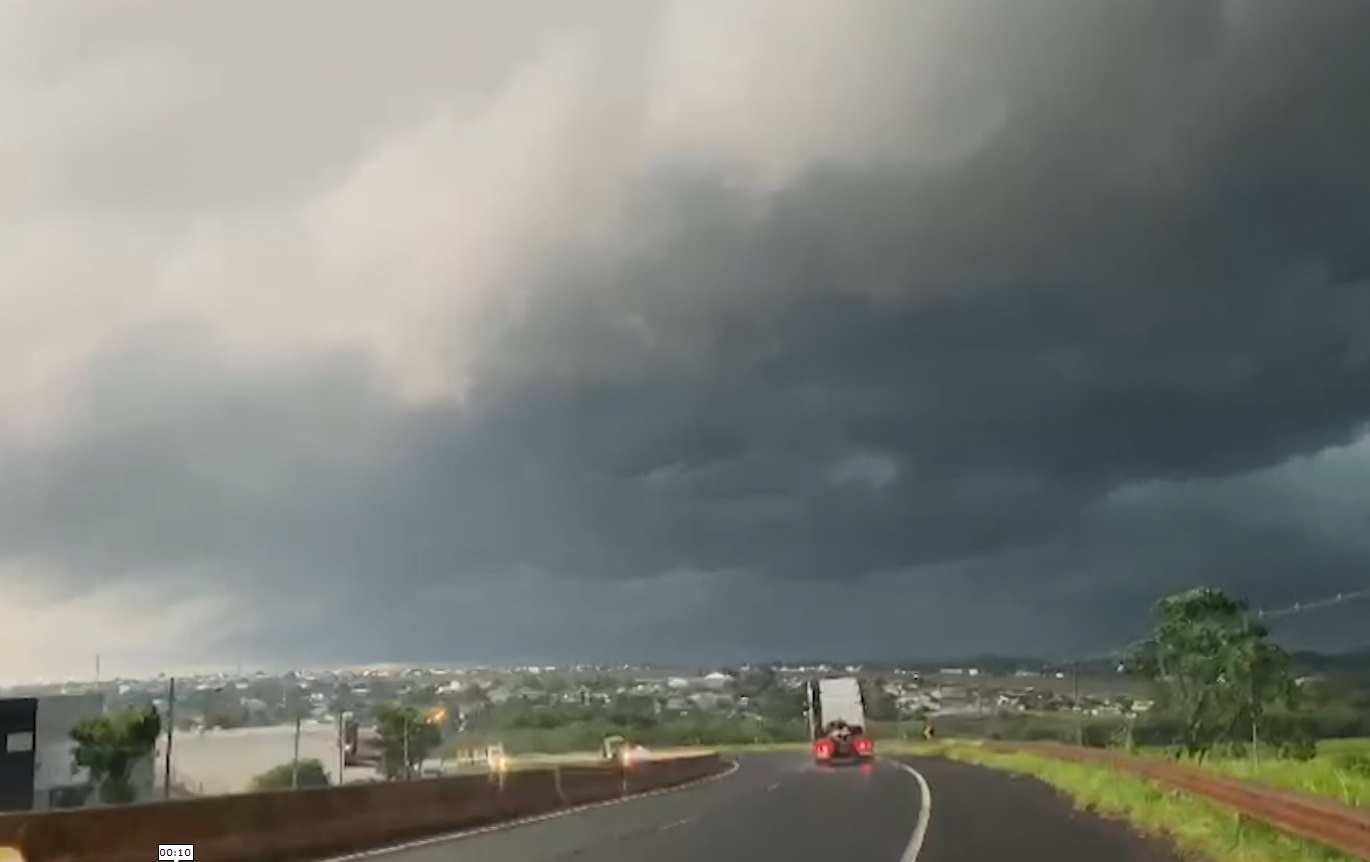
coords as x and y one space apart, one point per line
920 829
674 825
773 785
733 766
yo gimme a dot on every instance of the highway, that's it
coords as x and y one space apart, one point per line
780 806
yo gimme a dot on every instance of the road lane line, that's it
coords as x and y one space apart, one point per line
920 829
733 766
773 785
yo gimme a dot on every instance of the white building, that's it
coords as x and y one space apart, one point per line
717 680
57 781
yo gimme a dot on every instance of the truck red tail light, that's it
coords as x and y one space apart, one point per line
822 748
864 745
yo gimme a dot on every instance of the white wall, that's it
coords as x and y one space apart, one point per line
53 747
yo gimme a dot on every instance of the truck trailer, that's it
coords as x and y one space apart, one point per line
837 721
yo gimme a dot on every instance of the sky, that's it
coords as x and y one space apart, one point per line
674 330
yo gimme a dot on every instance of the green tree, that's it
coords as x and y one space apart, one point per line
110 746
396 724
311 773
1214 669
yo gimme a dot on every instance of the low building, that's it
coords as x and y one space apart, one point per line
58 782
38 768
717 681
18 731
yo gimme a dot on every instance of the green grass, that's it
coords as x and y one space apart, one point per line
1330 774
1321 777
1200 829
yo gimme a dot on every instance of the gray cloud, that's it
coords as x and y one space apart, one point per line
1015 323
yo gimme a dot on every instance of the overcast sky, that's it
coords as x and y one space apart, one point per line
689 330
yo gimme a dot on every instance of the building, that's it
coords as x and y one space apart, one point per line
38 769
18 729
57 781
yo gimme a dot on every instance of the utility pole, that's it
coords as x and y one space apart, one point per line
342 744
295 758
1075 704
295 702
1251 692
340 708
406 746
809 698
170 731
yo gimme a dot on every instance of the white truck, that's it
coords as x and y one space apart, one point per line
837 720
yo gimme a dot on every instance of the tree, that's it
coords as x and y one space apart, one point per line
397 723
1214 669
311 773
109 746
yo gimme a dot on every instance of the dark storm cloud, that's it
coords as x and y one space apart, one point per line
1143 275
1154 267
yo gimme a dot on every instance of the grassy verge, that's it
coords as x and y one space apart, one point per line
1321 777
1198 828
1341 771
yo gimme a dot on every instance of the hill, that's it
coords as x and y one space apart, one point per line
1353 665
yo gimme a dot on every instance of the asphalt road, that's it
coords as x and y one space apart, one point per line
781 806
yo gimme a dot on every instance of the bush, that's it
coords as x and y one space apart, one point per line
1303 748
311 774
1353 762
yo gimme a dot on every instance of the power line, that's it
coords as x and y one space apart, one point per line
1304 607
1260 614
